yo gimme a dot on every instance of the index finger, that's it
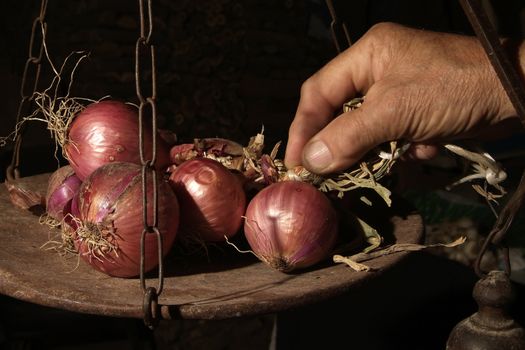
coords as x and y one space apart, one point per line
324 93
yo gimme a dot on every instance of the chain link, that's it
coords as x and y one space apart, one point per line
144 47
28 87
150 307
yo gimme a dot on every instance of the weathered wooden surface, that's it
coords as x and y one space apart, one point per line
224 285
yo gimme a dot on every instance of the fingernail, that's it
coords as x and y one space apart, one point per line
318 156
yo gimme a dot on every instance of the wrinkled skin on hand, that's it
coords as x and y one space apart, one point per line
419 86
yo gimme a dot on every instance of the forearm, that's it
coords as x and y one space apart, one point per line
516 53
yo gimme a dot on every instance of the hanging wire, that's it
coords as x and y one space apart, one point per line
144 47
338 29
515 90
29 85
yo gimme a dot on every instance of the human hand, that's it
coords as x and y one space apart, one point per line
420 86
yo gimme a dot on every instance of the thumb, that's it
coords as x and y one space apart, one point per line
346 139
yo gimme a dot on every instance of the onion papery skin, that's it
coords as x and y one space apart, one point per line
211 197
108 131
63 185
73 219
110 208
291 225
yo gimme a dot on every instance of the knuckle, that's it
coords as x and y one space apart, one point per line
383 31
307 87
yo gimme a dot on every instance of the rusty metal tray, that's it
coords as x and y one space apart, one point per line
227 284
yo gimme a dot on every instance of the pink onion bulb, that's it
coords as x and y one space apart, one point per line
290 225
109 205
212 199
105 132
63 185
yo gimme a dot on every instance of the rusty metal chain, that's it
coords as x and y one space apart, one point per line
30 78
145 47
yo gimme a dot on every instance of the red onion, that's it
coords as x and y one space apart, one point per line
107 131
212 199
110 211
73 219
63 184
290 225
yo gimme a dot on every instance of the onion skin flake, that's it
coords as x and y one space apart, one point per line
63 185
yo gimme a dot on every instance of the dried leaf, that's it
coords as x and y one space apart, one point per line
371 235
347 182
354 260
353 264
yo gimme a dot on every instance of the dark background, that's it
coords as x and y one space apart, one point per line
225 68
